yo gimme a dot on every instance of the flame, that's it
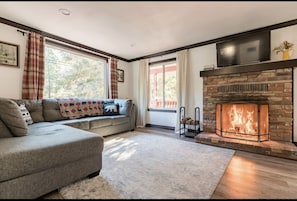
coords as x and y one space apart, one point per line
242 121
247 121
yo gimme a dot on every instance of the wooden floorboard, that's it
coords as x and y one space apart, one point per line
254 176
248 175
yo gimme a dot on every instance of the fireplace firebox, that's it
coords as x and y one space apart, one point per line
245 121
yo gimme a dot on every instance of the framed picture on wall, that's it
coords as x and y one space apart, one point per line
120 75
9 54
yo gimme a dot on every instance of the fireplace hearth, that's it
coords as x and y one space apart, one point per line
244 121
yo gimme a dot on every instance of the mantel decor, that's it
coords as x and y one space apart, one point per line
9 54
286 48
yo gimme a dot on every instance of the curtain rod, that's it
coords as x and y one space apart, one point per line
22 32
162 61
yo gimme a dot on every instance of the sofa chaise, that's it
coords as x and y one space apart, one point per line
52 150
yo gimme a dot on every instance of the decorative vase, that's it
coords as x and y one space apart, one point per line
286 54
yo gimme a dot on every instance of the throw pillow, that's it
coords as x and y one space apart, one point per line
12 117
26 115
34 107
4 132
110 108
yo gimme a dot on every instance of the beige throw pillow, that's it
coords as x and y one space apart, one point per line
12 117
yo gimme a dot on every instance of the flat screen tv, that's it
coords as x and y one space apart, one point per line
247 49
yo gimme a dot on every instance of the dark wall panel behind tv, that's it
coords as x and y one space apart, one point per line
246 49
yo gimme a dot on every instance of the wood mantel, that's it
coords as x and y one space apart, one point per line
250 68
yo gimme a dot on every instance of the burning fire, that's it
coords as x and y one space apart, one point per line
242 121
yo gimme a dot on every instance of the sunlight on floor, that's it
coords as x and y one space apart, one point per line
114 148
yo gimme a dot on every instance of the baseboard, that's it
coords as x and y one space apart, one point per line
159 126
167 127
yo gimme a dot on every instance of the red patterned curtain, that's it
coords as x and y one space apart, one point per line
33 76
113 81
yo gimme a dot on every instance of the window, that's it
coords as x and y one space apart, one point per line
73 73
163 86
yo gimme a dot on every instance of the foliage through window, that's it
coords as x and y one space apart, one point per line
163 86
70 73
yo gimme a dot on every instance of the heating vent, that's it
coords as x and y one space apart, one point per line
243 87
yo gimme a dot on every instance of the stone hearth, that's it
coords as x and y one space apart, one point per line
272 148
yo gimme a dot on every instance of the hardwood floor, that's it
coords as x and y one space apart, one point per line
248 175
254 176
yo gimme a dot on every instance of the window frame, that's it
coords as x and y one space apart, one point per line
163 63
84 53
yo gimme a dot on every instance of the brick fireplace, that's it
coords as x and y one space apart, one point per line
270 84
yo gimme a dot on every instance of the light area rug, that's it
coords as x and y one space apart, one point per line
148 166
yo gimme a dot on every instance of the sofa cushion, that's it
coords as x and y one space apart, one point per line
4 131
46 146
34 107
82 123
110 108
125 106
26 114
121 119
51 110
12 117
100 121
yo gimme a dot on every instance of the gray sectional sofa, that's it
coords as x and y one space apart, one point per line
54 151
103 125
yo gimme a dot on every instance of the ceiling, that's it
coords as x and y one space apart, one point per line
133 29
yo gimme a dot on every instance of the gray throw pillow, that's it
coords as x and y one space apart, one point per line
4 132
12 117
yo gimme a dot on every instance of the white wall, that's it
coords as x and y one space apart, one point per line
11 77
124 88
198 58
